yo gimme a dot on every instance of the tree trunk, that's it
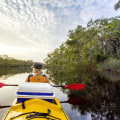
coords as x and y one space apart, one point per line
117 48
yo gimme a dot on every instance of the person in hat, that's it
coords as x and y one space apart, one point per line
37 76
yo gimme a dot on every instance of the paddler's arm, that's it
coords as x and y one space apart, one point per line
26 80
47 80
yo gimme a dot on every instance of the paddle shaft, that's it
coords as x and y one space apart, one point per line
72 86
4 106
12 85
58 86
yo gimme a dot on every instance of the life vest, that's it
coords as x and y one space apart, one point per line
40 79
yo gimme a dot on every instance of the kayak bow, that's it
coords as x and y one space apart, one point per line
36 101
36 109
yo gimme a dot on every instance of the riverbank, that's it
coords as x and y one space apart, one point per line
6 61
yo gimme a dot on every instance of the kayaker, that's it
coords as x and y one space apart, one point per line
37 76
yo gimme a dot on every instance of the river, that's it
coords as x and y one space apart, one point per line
100 100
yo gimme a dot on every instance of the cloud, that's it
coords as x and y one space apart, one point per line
37 27
96 9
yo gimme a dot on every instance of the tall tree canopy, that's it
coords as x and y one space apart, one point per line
88 45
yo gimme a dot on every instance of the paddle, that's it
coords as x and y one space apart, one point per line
72 86
4 106
73 101
77 86
3 84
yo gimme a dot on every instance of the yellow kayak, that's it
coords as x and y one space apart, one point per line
36 109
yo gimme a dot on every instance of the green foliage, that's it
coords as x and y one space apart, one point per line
117 5
100 57
6 61
91 45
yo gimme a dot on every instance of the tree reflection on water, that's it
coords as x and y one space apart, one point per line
7 72
101 95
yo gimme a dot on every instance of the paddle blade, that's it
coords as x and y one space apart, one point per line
76 101
75 86
2 85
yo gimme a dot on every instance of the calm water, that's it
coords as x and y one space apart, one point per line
100 100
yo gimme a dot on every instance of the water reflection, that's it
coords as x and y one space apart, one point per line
75 101
110 75
100 100
101 95
7 94
7 72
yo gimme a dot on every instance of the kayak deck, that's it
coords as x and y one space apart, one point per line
36 109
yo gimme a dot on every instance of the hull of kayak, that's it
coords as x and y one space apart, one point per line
36 109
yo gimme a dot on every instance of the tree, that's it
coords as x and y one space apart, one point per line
85 45
113 36
117 5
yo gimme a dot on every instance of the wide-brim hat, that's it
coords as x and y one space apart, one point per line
37 65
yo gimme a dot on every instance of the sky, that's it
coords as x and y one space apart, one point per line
31 29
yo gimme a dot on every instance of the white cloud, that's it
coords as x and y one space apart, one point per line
37 27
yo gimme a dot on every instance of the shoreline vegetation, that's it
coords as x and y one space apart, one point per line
11 66
95 47
8 62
